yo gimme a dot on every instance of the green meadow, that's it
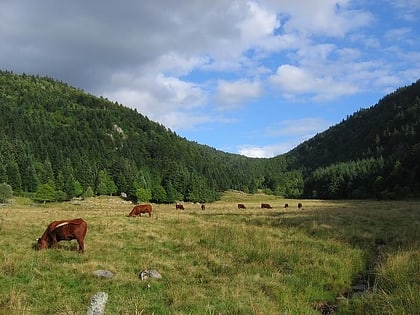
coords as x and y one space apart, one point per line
222 260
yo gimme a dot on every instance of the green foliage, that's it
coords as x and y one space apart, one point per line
46 193
88 192
144 194
373 153
159 194
106 185
6 192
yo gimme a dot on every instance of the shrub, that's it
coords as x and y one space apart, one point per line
6 192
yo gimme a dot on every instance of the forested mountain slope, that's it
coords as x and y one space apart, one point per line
374 152
55 135
58 142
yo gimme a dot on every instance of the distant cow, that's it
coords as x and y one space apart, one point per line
139 209
286 205
241 206
203 207
179 206
300 205
65 230
266 206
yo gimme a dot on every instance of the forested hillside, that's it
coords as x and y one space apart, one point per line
60 142
373 153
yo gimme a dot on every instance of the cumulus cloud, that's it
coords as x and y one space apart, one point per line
233 94
266 151
326 17
295 80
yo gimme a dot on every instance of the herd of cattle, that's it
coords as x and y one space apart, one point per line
67 230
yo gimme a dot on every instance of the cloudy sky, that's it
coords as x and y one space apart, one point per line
249 77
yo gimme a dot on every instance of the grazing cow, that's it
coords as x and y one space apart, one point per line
300 205
139 209
65 230
286 205
203 207
241 206
266 206
179 206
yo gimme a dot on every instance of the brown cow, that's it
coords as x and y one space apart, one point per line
203 207
266 206
65 230
241 206
300 205
179 206
139 209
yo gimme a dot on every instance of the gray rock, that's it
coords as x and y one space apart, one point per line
97 304
104 274
150 274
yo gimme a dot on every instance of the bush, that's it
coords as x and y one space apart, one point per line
6 192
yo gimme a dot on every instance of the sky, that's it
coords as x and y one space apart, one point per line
255 78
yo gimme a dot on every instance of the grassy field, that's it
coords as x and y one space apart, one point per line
218 261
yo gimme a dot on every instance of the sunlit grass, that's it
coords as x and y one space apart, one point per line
219 261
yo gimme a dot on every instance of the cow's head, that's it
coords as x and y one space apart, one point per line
42 244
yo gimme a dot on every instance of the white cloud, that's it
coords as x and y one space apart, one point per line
165 99
295 80
257 24
266 151
324 17
233 94
408 9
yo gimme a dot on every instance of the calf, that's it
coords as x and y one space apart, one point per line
65 230
266 206
179 206
241 206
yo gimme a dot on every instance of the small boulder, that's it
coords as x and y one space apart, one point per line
150 274
97 304
104 274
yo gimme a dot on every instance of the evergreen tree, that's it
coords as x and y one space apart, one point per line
46 192
159 194
13 175
143 195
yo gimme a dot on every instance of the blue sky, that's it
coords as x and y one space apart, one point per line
250 77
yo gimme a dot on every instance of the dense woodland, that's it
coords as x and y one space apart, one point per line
373 153
58 142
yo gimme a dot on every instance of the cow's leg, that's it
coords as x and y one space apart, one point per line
54 243
81 246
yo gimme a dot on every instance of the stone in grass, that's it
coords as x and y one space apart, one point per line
97 304
104 274
150 274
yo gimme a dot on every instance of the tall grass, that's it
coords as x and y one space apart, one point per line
218 261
